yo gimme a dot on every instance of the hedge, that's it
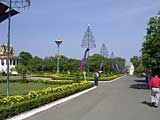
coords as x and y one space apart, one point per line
60 82
90 77
10 109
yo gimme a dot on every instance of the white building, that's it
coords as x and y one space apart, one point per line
3 59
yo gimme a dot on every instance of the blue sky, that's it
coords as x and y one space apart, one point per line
120 24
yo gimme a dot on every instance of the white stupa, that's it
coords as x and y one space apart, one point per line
131 69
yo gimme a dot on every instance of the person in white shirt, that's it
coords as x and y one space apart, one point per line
84 75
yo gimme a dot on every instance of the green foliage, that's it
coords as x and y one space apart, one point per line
49 64
73 77
120 61
22 70
140 68
24 57
94 63
58 82
19 88
150 47
36 64
16 104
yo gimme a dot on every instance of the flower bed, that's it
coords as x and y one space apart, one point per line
73 77
13 105
106 78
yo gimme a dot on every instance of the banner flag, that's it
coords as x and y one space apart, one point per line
3 8
117 68
102 62
83 61
4 15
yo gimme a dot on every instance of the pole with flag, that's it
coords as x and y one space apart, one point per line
5 13
117 68
113 67
101 65
83 61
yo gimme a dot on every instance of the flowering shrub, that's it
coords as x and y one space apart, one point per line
37 93
12 99
13 105
33 94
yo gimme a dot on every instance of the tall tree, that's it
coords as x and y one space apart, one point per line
36 64
24 57
151 46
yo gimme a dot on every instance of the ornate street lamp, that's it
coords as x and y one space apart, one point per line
19 4
88 39
58 42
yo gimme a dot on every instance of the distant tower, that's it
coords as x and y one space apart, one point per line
112 55
88 39
104 51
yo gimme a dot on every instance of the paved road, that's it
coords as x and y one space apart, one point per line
120 100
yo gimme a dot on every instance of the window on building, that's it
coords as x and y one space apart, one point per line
14 62
10 62
17 62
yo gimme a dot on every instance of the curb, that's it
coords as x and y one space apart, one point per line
111 80
47 106
52 104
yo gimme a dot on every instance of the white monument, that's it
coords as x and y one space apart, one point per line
131 69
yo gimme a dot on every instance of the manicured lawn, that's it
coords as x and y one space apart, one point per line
18 88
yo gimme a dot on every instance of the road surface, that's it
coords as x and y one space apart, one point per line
125 99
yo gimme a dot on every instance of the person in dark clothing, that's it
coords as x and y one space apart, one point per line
148 77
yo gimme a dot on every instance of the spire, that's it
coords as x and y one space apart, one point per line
112 55
104 51
88 39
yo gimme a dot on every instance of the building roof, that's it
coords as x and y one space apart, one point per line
3 50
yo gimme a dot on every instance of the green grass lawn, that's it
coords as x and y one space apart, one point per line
18 88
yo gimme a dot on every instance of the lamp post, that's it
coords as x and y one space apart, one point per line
88 41
58 42
8 47
12 4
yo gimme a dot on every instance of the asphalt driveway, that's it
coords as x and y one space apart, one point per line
125 99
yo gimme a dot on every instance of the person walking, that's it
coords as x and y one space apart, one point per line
155 90
84 75
148 77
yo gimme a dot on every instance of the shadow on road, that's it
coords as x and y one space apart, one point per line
139 86
140 81
147 103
